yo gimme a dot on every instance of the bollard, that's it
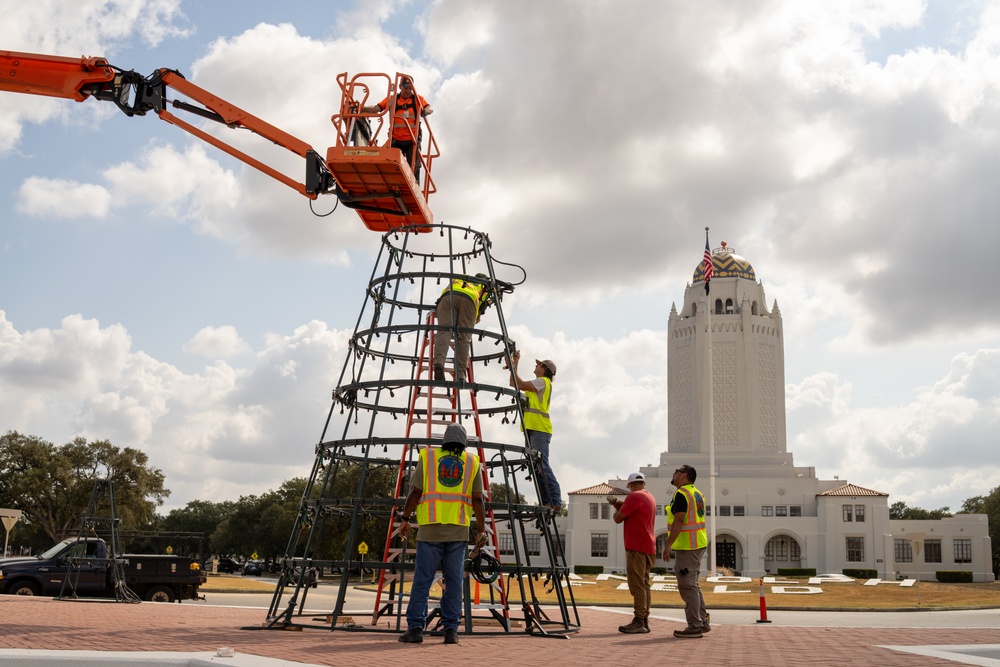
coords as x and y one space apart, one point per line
763 605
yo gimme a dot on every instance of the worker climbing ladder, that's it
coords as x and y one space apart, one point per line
386 406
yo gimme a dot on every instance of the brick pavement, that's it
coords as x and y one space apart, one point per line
40 623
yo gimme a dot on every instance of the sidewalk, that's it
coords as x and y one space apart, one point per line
41 623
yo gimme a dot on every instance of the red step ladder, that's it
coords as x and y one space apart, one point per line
432 408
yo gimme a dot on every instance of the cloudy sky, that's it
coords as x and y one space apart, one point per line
159 294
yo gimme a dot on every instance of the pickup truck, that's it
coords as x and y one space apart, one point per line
86 562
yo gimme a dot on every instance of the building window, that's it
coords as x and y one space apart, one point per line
795 510
533 544
855 548
729 306
708 510
605 511
848 516
932 551
723 510
782 548
506 542
718 306
963 550
562 546
598 545
659 510
753 308
904 552
593 510
780 510
767 510
739 510
859 513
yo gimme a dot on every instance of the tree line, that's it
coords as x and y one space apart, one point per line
53 485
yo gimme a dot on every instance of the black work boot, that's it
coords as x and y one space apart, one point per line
451 636
412 636
636 627
439 373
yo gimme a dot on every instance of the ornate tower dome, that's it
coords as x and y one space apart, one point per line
726 264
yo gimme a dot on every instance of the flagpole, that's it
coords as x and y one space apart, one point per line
711 418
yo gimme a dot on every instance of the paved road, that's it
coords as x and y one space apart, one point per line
29 626
324 598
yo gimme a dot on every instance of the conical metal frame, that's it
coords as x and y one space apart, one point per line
364 446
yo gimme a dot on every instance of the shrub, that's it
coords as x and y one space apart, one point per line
588 569
658 570
797 571
954 576
860 573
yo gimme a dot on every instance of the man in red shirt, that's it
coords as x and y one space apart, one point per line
638 512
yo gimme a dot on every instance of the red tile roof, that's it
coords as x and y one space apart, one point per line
600 490
851 490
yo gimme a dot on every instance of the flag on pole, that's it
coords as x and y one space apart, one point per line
708 262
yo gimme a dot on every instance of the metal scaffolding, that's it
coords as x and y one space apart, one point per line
386 406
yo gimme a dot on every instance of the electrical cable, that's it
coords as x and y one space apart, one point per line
484 568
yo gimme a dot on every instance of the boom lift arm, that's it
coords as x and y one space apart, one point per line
376 181
81 78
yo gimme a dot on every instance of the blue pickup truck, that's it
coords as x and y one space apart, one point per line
83 568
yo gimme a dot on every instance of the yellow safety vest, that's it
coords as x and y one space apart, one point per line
474 291
536 415
693 534
447 491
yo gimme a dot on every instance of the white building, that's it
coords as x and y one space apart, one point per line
769 513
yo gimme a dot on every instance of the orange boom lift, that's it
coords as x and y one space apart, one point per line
374 180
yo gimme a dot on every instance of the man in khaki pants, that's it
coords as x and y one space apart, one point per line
688 541
638 512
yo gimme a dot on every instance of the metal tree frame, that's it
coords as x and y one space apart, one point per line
387 375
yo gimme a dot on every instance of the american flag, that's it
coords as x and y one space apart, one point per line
708 263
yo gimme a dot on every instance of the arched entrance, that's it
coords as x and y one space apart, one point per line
728 553
782 551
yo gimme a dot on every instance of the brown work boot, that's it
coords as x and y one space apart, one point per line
636 627
645 624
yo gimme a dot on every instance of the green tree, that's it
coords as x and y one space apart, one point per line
260 524
53 485
500 492
990 506
901 511
198 516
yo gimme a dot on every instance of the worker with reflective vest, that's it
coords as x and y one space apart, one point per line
460 306
409 108
537 425
688 541
446 489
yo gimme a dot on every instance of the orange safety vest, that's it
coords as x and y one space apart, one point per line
407 116
693 534
447 493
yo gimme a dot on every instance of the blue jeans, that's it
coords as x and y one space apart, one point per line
449 557
547 484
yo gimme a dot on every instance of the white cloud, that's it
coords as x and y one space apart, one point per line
217 343
47 197
934 450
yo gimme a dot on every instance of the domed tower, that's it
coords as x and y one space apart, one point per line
747 370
